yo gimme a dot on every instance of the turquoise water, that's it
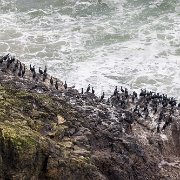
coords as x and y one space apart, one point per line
132 43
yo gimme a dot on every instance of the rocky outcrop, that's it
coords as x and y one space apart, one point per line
62 134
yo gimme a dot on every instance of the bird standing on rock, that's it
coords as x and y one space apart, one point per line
1 60
8 64
19 72
122 90
115 91
45 70
51 81
65 85
93 90
82 91
32 69
44 76
40 71
23 71
88 88
56 85
102 97
17 63
20 66
34 74
5 57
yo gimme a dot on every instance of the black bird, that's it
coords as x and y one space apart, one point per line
102 97
8 64
6 57
34 74
32 68
44 76
93 90
40 71
13 59
16 65
133 97
56 85
65 85
88 88
122 90
1 60
158 128
19 72
161 116
45 70
108 102
81 90
135 94
126 93
115 91
167 122
179 105
23 71
51 81
20 66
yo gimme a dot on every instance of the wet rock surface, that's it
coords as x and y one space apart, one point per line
55 132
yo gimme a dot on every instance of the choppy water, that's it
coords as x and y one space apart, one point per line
133 43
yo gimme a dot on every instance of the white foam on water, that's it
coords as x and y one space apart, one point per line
135 44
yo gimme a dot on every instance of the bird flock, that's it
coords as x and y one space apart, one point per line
146 105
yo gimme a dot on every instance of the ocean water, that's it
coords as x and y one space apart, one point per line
129 43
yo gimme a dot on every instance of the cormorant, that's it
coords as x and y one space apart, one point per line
40 71
51 81
81 90
23 71
88 88
126 93
158 128
16 65
34 74
8 64
13 59
93 90
20 66
45 70
122 90
44 76
32 68
19 72
134 94
102 97
115 91
56 85
1 60
65 85
6 57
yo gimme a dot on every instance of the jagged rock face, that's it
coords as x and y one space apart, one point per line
34 145
62 134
